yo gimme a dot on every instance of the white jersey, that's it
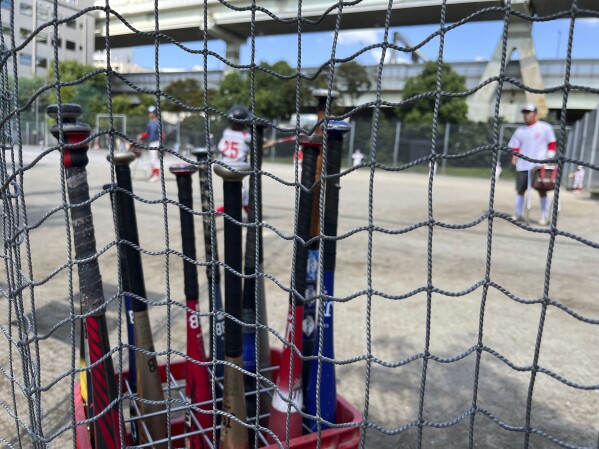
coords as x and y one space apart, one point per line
578 178
234 145
532 141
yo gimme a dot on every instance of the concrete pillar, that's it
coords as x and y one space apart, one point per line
233 54
519 38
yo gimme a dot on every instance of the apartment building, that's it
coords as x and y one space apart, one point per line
75 37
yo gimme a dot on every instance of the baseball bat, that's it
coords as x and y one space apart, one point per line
321 400
233 434
217 321
132 376
103 382
197 386
291 363
253 290
309 323
149 384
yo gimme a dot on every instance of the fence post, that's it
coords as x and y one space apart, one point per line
396 144
445 147
27 133
585 129
352 135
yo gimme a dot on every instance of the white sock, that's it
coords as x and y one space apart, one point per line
519 204
544 206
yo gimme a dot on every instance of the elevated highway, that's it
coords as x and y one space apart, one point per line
183 20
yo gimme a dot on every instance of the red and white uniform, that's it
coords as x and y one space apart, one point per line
536 141
234 145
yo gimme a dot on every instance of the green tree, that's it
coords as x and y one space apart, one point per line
232 90
353 79
452 109
186 91
275 96
90 93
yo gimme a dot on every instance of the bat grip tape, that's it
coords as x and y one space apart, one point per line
233 289
130 234
90 280
190 272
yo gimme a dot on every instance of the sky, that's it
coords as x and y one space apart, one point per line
471 41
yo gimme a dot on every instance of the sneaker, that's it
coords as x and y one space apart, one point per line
543 221
518 218
154 178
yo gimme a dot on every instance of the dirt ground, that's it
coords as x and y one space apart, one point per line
380 317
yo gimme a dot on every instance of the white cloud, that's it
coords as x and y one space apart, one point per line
377 52
592 21
361 37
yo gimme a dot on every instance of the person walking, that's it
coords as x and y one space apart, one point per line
535 140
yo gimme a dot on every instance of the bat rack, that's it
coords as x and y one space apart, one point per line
335 438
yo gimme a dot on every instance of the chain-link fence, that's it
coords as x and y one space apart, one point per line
456 324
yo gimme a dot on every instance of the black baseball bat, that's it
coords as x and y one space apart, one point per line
103 383
233 434
132 375
253 288
197 385
321 400
149 384
217 321
309 322
291 363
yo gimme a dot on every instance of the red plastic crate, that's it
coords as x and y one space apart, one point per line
334 438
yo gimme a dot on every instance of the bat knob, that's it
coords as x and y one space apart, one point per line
200 152
234 172
74 133
70 112
121 158
262 123
310 141
322 94
338 126
183 169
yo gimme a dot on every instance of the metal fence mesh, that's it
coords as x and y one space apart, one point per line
456 326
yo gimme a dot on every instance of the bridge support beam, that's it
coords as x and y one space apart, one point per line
519 39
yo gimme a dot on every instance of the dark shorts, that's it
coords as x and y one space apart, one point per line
522 183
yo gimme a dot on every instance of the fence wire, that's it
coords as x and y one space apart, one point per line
457 325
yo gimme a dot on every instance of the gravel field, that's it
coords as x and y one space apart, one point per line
391 329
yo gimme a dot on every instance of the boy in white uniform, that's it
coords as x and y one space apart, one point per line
235 143
535 140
